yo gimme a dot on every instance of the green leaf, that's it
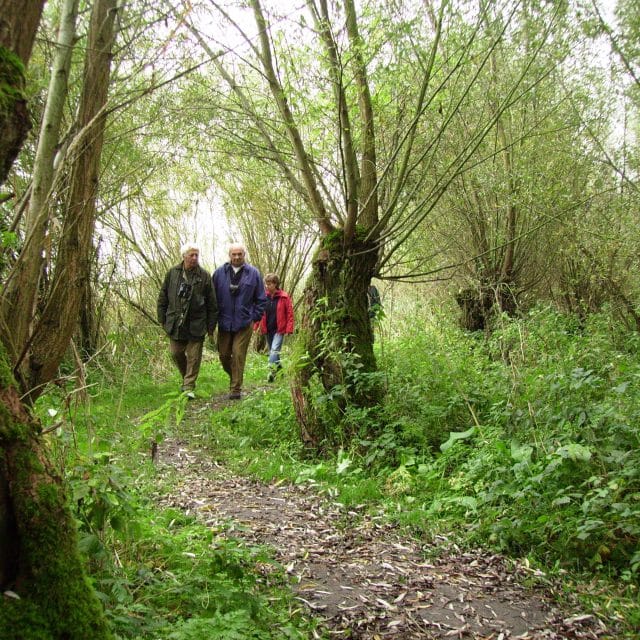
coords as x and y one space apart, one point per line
521 452
455 436
575 452
343 465
466 501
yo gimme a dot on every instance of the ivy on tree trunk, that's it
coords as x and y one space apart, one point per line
336 338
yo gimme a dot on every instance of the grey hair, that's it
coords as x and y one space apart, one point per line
188 246
238 245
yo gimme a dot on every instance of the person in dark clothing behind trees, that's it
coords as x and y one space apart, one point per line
276 322
374 303
241 302
374 307
187 310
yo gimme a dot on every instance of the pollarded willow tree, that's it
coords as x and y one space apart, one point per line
353 104
524 186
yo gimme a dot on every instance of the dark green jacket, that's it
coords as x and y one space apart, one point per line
191 316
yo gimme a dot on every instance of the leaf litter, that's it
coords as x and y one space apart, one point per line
359 574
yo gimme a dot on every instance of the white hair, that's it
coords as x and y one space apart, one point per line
188 246
237 245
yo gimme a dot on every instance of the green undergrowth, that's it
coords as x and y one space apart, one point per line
525 442
159 573
183 580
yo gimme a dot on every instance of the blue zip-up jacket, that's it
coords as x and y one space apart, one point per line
236 311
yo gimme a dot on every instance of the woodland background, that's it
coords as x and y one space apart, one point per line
478 161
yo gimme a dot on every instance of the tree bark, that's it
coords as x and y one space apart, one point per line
19 21
60 316
21 289
39 562
367 194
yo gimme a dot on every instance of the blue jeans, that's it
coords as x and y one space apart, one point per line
274 342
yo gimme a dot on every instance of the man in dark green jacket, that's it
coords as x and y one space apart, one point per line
187 310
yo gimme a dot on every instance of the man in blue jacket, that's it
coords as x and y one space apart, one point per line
241 302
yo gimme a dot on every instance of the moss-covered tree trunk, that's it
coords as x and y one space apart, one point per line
336 337
480 305
46 592
19 21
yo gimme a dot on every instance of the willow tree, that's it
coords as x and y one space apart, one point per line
21 290
527 181
46 592
354 115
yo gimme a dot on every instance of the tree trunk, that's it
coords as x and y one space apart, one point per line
479 305
89 321
46 594
21 289
60 315
49 596
19 21
337 339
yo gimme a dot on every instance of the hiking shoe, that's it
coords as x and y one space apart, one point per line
272 376
235 395
190 394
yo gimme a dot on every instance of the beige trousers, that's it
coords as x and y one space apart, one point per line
232 349
187 354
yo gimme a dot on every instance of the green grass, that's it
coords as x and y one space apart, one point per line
526 442
159 573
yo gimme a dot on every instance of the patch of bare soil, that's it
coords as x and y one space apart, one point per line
360 574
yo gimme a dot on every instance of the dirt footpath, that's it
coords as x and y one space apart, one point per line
359 574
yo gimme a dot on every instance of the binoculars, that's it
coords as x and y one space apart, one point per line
184 290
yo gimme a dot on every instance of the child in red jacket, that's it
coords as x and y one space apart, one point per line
276 321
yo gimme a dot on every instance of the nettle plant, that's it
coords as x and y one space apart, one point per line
570 470
529 437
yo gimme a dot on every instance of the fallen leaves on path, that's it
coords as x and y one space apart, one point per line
359 573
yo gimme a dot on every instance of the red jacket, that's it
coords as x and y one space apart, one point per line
284 314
